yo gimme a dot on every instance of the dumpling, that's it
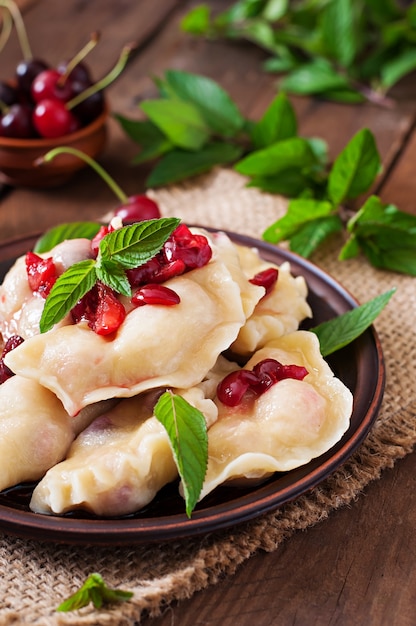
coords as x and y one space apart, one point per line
155 346
35 430
117 465
291 423
20 308
279 312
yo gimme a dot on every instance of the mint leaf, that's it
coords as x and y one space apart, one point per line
187 432
214 104
96 591
180 121
340 28
385 235
342 330
113 275
398 66
316 77
299 212
152 141
133 245
197 21
278 122
355 168
179 164
293 152
310 236
58 234
65 293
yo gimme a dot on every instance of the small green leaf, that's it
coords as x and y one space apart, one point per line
315 77
214 104
355 168
179 165
398 66
187 432
65 293
275 10
96 591
133 245
58 234
114 276
278 122
293 152
299 212
197 21
289 183
340 28
342 330
310 236
180 121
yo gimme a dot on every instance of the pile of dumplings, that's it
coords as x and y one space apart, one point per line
77 416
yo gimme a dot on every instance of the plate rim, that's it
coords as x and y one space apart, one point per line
123 531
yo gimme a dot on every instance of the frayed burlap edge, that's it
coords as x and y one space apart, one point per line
159 575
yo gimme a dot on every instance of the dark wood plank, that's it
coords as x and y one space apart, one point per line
357 567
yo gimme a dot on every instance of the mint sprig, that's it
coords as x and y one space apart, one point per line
96 591
69 230
342 330
275 159
187 432
342 50
122 249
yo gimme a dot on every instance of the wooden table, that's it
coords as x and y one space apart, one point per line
357 567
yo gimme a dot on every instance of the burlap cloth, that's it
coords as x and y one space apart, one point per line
36 577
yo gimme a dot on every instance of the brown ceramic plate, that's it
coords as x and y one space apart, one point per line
360 366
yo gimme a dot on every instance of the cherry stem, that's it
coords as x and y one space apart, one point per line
3 107
90 45
49 156
7 25
20 28
105 81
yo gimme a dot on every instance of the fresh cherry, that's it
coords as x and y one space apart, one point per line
78 74
16 122
26 72
52 119
8 94
51 85
137 209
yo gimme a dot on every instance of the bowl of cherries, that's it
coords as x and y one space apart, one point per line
44 106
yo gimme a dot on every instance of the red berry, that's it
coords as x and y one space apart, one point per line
137 209
233 388
49 85
16 123
266 278
11 344
52 119
26 73
155 294
101 309
41 273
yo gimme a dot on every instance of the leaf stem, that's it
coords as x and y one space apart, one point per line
49 156
106 80
20 28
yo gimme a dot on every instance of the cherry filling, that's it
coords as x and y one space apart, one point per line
182 252
101 309
235 386
266 278
11 344
41 273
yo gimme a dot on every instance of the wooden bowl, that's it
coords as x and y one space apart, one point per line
18 156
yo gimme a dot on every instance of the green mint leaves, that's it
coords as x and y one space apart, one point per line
187 432
69 230
195 126
96 591
122 249
342 330
342 50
